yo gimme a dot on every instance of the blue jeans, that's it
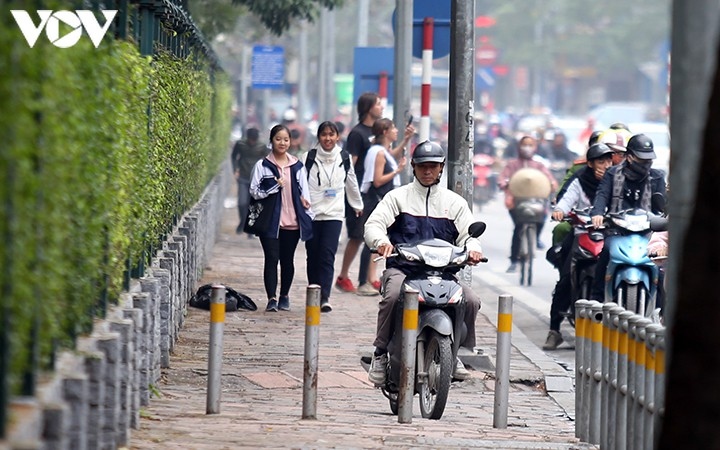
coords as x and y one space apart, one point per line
321 251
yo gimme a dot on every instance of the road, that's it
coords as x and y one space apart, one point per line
531 305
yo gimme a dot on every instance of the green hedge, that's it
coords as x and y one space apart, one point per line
102 150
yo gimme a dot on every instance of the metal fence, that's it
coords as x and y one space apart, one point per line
620 378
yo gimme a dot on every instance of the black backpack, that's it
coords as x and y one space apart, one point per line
310 161
234 300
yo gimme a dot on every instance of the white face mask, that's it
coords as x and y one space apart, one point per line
527 151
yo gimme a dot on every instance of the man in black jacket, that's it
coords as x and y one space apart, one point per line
630 184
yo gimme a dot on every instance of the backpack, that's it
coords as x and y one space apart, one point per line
234 300
310 161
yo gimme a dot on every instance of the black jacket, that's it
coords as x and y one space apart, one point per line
603 196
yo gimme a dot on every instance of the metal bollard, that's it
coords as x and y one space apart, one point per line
605 373
502 366
217 324
631 391
649 411
407 356
312 345
584 377
639 404
595 372
613 344
659 381
622 381
580 306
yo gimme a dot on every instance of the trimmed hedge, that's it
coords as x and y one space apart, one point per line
102 150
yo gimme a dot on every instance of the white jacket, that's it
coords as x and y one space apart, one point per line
327 176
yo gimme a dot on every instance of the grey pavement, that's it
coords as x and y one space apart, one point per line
262 378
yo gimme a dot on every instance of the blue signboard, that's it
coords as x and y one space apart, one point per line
484 79
268 67
369 62
439 10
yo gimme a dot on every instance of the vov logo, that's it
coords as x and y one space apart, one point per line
50 22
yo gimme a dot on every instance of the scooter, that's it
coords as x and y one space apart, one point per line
441 308
484 179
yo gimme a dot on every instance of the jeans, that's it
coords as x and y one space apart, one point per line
392 280
243 200
280 250
321 251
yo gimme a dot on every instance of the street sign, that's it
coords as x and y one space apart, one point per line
368 64
486 54
484 79
268 67
440 12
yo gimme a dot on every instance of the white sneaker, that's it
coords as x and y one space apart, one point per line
460 372
378 369
367 290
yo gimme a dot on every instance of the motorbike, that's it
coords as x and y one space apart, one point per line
585 253
441 308
484 178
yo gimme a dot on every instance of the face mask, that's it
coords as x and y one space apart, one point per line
526 151
637 170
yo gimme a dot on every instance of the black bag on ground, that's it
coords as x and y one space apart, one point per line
234 300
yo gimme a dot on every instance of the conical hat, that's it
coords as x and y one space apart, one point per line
529 182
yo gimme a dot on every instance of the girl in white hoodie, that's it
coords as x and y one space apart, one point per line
329 180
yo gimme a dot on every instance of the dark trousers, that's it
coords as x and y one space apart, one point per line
562 297
515 243
280 250
243 200
321 251
598 288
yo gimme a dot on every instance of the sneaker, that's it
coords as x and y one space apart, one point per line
325 305
284 303
460 372
344 284
540 245
554 339
376 284
378 369
367 290
239 229
512 268
272 305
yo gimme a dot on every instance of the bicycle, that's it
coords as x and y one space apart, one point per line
529 212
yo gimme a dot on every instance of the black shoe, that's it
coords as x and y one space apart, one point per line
272 305
284 303
239 229
325 305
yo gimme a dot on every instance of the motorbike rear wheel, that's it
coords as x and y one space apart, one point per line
439 368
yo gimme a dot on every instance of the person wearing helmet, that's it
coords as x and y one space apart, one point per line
630 184
580 195
526 151
576 165
421 209
616 140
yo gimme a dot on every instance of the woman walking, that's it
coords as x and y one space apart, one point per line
282 175
330 178
382 174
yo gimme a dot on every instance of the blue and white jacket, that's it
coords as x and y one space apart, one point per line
264 183
414 212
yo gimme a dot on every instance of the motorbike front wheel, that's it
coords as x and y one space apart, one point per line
632 297
439 368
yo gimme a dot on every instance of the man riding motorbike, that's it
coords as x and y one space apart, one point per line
579 195
630 184
419 210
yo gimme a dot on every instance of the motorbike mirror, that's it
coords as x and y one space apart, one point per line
658 223
476 229
658 201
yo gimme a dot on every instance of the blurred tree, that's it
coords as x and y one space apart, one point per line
277 15
214 17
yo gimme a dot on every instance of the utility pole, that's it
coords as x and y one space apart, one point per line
402 81
302 106
331 107
462 93
322 65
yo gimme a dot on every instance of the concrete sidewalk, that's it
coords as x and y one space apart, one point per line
263 370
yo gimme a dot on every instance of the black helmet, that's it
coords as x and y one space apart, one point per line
594 136
598 151
428 151
641 146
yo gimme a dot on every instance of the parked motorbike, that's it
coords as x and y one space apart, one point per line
484 179
441 307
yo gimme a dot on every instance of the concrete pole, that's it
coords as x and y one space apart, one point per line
244 76
402 81
694 40
462 94
322 65
217 325
302 106
331 107
362 16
